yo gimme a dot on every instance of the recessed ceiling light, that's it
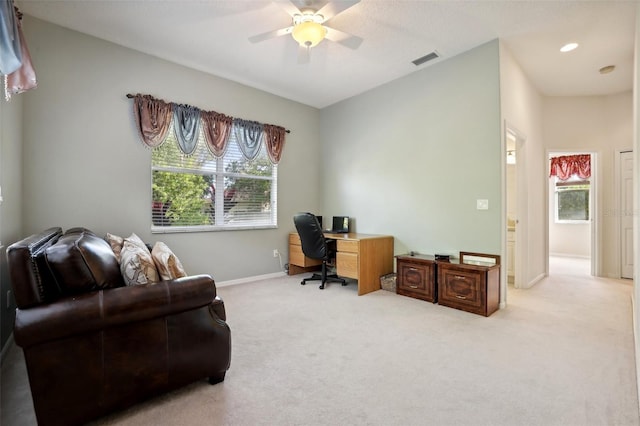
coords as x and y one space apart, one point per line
607 69
568 47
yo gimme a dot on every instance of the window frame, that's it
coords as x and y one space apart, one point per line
219 177
568 185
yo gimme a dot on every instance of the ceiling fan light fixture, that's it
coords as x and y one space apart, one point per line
308 33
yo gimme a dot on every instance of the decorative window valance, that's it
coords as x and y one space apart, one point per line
153 119
15 59
568 165
186 124
217 128
250 133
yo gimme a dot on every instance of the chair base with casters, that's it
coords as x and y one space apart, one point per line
324 278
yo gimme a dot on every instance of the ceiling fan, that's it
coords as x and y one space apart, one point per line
308 26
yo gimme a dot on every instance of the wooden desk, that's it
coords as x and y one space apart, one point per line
364 257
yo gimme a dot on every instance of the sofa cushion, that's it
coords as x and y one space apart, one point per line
80 261
136 264
116 243
168 265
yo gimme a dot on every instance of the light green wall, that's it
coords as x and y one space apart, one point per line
11 208
410 158
84 164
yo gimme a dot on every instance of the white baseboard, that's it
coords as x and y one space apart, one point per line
535 280
5 348
636 345
569 255
250 279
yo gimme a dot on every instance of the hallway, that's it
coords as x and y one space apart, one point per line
572 266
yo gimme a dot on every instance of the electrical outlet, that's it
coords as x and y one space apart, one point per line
482 204
276 253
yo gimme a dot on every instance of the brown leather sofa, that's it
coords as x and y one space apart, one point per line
93 345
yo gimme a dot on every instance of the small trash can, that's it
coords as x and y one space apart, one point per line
388 282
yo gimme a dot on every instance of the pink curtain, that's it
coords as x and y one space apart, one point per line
274 140
568 165
153 119
216 131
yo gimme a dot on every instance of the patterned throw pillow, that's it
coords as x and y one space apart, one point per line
116 243
136 263
169 266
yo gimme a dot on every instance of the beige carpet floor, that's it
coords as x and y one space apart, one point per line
561 353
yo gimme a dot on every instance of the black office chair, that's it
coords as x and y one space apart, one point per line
315 246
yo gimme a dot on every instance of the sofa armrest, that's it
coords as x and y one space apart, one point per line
218 308
111 307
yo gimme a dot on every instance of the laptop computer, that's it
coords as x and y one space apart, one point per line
340 225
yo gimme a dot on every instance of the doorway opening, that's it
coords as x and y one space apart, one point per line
512 205
572 231
515 211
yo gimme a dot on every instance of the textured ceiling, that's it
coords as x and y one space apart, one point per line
212 36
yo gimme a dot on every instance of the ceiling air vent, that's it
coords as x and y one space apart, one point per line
425 58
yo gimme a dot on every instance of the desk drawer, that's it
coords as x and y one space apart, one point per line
347 246
297 257
347 264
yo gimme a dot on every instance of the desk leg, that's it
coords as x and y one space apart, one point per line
376 260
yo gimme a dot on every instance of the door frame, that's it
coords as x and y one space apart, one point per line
594 206
521 211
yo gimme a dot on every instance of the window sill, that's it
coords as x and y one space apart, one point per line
572 222
189 229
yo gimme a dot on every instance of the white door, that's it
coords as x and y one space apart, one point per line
626 214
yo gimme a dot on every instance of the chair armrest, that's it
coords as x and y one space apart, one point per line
111 307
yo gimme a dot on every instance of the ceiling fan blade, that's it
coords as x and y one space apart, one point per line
270 34
304 54
332 8
349 40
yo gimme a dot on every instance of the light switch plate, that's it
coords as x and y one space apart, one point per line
482 204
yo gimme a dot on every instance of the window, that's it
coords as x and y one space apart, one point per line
202 193
572 200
